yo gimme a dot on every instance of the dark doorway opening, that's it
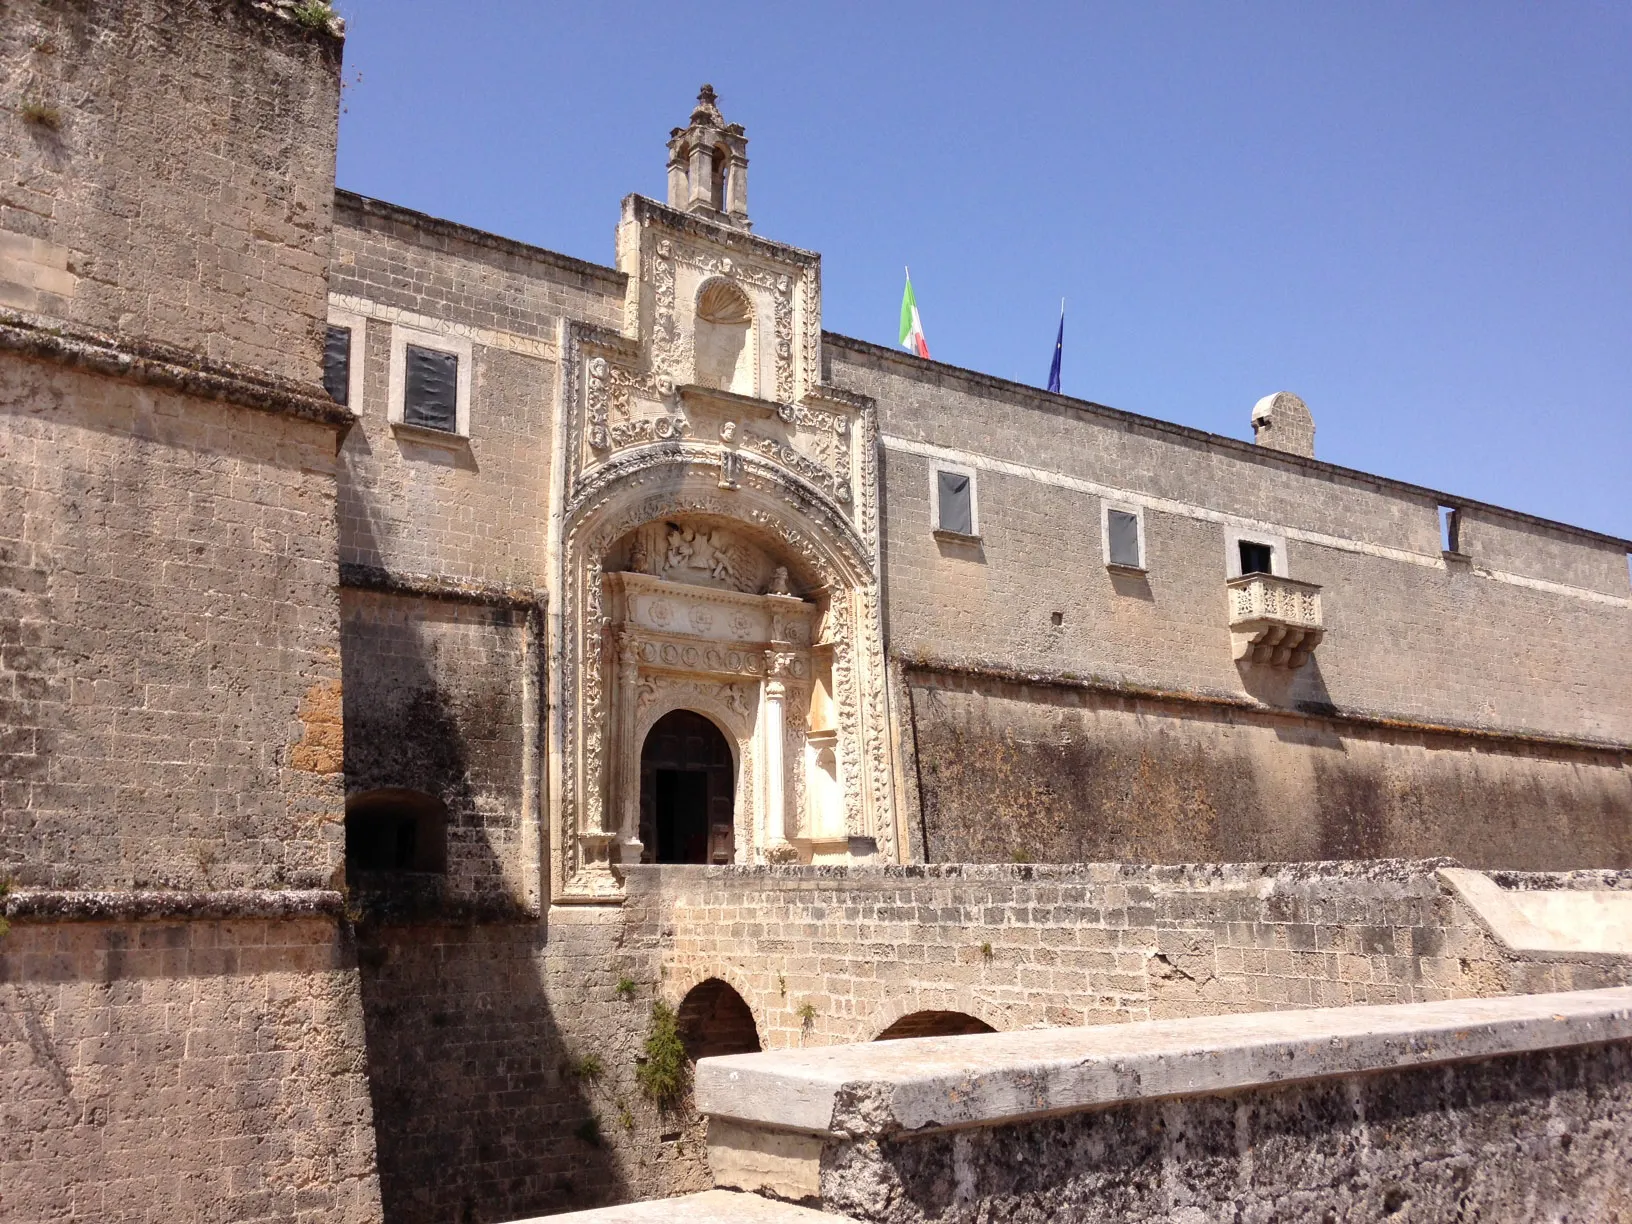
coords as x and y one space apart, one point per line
1257 558
686 784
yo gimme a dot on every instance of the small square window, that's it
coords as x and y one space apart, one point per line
955 502
337 364
431 389
1122 539
1256 558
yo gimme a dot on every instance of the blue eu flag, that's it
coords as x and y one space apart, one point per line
1059 345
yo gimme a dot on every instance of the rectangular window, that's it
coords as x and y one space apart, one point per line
337 364
955 502
344 345
1257 558
1122 539
428 388
431 389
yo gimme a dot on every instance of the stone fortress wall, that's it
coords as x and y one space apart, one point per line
1126 730
484 1038
180 1022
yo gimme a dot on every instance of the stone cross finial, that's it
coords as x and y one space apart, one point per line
708 165
707 111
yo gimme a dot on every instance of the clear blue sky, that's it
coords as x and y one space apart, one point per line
1416 216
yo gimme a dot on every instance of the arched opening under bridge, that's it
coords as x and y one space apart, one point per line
934 1024
714 1020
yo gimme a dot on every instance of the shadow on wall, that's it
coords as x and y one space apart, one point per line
478 1114
1301 688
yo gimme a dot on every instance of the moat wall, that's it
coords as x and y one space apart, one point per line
1527 1138
154 1070
1039 772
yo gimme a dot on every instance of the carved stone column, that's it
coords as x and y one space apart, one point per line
593 880
780 665
626 761
772 761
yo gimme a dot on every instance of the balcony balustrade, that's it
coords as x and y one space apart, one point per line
1274 621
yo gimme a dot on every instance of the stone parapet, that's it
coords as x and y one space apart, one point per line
1317 1115
1582 922
882 1088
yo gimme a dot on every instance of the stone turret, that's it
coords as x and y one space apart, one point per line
1283 421
708 165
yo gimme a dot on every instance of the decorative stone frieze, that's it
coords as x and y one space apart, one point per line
1273 620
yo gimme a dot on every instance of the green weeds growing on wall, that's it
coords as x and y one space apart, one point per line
665 1074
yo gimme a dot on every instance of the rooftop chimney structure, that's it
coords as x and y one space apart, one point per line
1283 422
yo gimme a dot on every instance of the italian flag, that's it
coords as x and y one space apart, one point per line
912 327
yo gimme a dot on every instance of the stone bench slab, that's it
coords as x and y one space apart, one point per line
937 1082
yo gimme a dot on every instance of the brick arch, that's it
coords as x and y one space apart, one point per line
933 1022
949 1001
688 978
715 1019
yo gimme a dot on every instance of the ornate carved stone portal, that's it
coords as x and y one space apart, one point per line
715 546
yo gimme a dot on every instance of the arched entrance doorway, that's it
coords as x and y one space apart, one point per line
686 785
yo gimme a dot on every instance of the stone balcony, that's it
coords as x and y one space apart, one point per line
1274 620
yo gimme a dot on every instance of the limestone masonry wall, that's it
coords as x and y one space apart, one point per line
1409 634
169 639
174 174
1066 945
1023 650
476 507
183 1071
169 624
436 701
502 1068
502 1062
1524 1138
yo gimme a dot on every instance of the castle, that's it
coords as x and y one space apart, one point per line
420 651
